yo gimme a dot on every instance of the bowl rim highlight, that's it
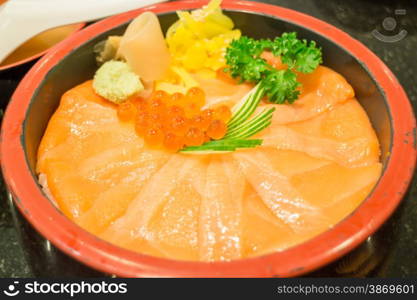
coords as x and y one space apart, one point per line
322 249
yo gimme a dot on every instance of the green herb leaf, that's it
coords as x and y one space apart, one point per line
298 54
243 57
281 86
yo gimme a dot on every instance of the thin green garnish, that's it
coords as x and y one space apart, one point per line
252 126
246 107
240 127
223 145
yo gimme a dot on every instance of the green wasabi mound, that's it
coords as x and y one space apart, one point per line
116 82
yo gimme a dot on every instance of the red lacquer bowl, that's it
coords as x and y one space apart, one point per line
72 62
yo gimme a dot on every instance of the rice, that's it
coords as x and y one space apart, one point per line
45 189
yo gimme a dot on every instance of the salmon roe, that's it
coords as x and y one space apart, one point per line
160 95
176 111
201 121
178 99
194 137
126 111
154 136
173 142
140 103
174 121
191 110
178 125
196 96
157 106
217 130
222 113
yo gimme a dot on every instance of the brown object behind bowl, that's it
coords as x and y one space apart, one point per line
39 43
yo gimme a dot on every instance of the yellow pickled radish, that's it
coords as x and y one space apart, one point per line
196 56
199 39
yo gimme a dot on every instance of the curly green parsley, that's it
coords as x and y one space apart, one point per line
244 61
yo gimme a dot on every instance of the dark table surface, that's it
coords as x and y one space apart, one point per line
391 252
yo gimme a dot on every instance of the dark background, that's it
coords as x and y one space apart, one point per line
391 252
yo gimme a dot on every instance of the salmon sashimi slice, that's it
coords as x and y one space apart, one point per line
333 190
113 203
326 186
274 61
124 163
346 121
321 90
85 150
73 194
348 204
219 92
94 143
221 212
344 153
174 228
262 231
84 123
82 119
343 135
290 162
108 206
155 193
87 180
278 194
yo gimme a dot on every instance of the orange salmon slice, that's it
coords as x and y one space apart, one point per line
221 212
321 91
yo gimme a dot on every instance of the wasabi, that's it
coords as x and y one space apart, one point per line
116 82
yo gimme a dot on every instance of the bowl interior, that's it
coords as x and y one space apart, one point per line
79 65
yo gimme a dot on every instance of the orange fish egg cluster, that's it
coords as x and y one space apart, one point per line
175 121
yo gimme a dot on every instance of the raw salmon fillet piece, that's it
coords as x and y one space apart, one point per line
321 91
219 92
220 227
318 162
105 209
279 195
85 152
151 198
343 135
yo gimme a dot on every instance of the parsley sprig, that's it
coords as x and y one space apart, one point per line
243 56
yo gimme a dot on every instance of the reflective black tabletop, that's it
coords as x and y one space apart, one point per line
387 27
